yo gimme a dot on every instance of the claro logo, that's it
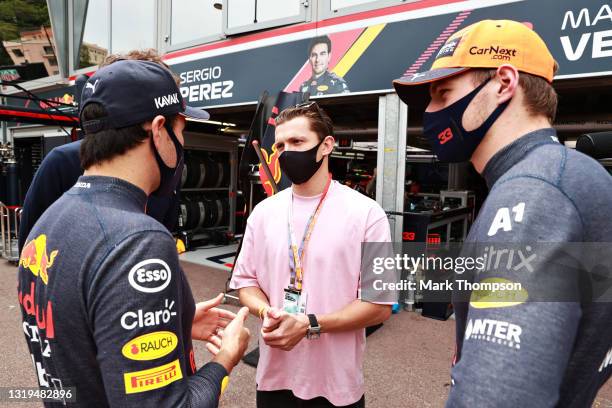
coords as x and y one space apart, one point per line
497 53
140 318
150 276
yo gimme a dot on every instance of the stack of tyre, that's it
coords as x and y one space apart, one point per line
201 208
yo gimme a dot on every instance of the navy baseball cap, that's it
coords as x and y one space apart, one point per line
133 92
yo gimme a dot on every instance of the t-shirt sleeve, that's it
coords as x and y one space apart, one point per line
516 352
135 310
245 274
377 227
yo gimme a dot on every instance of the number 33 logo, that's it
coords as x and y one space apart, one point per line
445 136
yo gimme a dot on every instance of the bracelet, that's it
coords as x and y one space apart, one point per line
260 313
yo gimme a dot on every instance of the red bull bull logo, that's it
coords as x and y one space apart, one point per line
68 99
34 257
274 166
57 101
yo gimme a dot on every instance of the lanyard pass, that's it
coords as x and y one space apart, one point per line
297 254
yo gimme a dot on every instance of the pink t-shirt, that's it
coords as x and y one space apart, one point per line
332 365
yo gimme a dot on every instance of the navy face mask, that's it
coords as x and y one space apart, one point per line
445 132
170 177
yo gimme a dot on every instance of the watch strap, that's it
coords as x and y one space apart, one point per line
313 320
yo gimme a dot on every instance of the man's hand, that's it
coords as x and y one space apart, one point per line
291 330
230 345
208 320
272 318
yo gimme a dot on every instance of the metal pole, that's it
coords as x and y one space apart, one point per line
3 227
4 124
391 167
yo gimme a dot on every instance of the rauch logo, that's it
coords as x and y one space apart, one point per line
150 346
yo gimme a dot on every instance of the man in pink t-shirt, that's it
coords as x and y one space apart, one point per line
299 271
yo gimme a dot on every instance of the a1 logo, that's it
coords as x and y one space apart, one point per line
503 219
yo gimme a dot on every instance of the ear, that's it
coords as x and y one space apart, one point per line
507 77
327 145
157 129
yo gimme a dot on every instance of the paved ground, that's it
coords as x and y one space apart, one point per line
406 364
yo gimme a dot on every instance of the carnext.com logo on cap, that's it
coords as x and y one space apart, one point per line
163 101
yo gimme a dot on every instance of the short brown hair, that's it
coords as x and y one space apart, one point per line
323 39
540 96
149 54
320 122
110 143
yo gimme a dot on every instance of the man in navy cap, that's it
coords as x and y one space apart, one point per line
108 315
61 168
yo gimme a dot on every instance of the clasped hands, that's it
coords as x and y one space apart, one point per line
283 330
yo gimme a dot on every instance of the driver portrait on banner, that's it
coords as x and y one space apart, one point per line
322 81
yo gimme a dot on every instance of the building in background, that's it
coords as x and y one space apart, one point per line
32 47
92 54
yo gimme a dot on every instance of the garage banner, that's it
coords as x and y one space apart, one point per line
57 100
363 53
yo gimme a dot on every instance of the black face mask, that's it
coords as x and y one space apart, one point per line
445 132
170 177
299 167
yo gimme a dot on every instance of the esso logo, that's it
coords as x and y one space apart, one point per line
150 276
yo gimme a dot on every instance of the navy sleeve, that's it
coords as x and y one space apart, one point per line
59 170
135 303
516 353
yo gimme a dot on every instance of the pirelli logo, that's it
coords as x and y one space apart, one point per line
153 378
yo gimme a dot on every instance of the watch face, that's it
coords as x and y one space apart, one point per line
313 333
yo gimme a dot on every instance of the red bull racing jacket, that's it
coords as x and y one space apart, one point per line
550 346
107 311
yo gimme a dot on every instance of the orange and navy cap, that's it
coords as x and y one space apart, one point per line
486 44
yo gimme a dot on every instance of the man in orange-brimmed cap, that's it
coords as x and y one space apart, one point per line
548 343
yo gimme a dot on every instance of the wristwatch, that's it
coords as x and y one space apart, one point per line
314 331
